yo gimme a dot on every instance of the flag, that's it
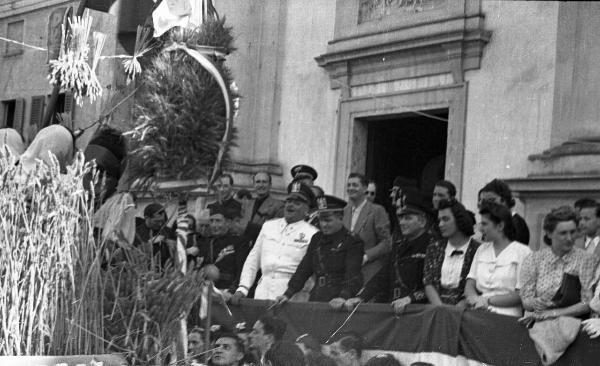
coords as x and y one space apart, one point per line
171 13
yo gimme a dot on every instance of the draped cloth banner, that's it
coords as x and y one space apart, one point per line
477 335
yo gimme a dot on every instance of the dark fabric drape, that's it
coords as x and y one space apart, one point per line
490 338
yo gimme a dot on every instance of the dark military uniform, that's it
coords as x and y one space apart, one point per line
228 253
403 273
160 252
336 262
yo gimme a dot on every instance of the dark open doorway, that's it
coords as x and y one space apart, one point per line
408 145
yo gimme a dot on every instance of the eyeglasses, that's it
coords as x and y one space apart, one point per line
370 193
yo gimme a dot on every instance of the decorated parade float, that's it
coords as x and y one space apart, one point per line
74 284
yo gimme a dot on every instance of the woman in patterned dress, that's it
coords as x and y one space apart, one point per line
447 261
557 279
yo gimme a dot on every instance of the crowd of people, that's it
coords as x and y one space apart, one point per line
263 344
318 247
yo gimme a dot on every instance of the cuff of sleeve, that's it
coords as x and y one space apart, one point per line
243 290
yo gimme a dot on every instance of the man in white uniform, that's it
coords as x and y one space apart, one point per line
279 248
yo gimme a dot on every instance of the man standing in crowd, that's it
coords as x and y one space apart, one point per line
265 333
443 190
371 191
499 192
589 223
305 174
153 237
401 280
229 351
264 207
222 248
279 248
225 195
370 222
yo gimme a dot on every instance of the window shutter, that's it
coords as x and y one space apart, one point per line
37 110
19 115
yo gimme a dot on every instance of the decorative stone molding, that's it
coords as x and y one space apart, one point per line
449 37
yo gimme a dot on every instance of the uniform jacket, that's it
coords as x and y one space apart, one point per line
336 262
277 252
228 253
270 208
402 274
161 252
373 228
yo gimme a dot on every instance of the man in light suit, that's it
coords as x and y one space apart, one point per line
589 224
370 222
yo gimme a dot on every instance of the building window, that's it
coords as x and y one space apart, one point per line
15 32
12 114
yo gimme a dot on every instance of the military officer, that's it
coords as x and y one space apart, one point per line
223 249
305 174
334 255
401 279
279 248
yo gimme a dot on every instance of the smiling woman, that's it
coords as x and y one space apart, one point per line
557 279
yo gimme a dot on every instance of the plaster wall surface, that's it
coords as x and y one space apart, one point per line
288 110
510 98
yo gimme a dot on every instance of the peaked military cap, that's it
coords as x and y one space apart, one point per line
301 191
412 202
302 170
327 203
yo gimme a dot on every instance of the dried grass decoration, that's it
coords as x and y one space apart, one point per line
49 261
183 127
72 70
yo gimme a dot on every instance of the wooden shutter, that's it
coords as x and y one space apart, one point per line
19 115
37 110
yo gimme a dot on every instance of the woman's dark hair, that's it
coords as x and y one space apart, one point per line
450 187
274 326
501 189
384 359
498 213
555 216
285 354
465 219
352 341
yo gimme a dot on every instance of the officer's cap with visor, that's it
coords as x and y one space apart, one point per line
303 171
412 202
300 191
327 203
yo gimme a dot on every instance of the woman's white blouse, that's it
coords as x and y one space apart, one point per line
499 275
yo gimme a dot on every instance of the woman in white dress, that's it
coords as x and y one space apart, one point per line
493 281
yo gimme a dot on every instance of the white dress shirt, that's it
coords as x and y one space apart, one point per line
591 244
355 213
452 266
499 275
277 252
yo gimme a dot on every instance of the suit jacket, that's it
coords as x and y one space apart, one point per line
271 208
373 228
580 243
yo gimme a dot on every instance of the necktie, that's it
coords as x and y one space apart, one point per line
456 252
